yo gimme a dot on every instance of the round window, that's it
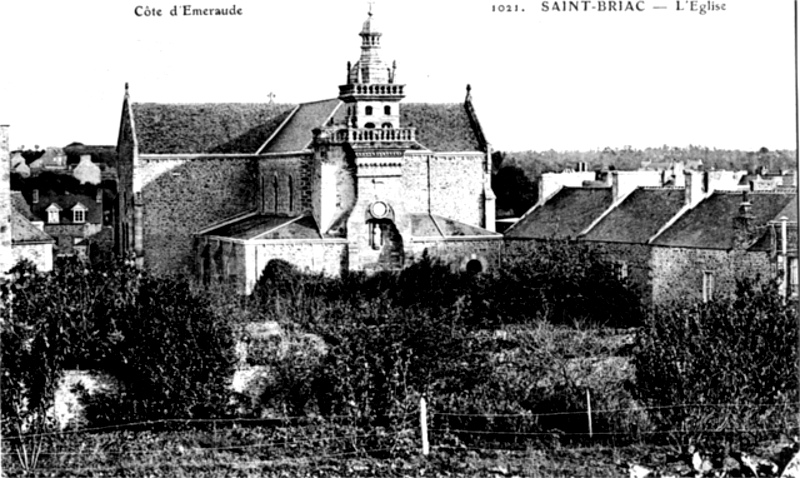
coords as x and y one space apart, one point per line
379 209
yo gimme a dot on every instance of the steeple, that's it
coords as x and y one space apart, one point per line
371 95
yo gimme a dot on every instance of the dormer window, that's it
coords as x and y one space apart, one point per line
79 213
53 212
368 111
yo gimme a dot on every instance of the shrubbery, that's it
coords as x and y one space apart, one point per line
727 365
158 338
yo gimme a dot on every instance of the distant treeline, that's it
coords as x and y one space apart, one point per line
515 173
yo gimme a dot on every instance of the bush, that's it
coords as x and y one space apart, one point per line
152 333
720 367
175 357
567 283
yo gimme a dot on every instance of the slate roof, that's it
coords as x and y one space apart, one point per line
243 128
269 226
21 206
296 133
639 216
565 215
440 127
94 213
23 232
224 128
710 224
431 225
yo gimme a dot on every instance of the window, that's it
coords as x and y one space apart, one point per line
386 126
708 286
99 197
369 125
52 215
620 270
275 194
368 111
792 277
387 110
291 194
35 196
79 216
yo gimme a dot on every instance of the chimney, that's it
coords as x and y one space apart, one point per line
614 185
693 188
743 222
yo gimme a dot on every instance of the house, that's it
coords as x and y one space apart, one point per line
362 181
674 243
20 237
729 236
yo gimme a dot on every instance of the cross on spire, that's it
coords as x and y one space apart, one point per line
271 95
370 7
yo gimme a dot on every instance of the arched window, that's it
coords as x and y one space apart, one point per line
275 193
387 110
368 111
290 184
369 125
386 126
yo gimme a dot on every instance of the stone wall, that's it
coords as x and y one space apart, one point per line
183 196
678 273
634 259
285 184
449 185
458 252
327 256
41 255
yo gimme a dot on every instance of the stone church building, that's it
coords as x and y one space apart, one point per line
363 181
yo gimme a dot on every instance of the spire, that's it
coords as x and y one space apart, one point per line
371 68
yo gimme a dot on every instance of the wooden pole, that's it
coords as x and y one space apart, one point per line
423 423
589 411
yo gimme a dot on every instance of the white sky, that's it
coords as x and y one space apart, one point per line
560 80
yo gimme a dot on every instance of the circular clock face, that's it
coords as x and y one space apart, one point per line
379 209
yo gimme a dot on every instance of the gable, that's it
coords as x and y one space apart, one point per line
296 134
640 216
565 215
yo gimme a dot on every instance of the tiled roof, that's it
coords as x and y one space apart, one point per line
296 134
440 127
431 225
206 128
640 215
565 215
710 224
23 232
269 226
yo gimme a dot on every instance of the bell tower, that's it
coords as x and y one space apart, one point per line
371 97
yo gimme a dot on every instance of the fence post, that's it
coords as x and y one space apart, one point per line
589 410
423 423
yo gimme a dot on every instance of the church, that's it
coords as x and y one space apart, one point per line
359 182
